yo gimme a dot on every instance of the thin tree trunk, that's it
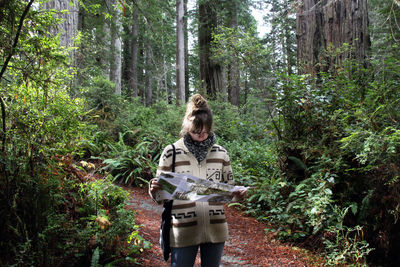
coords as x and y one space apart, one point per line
224 90
185 23
148 91
233 73
180 54
142 71
133 80
116 48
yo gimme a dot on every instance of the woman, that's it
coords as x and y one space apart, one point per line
197 224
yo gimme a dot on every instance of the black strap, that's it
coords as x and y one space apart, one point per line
173 157
166 218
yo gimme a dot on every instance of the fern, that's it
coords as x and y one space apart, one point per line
95 258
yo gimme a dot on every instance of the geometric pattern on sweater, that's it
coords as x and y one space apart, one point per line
214 175
184 215
217 149
216 212
178 152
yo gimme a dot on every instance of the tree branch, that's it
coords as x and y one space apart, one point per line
21 22
3 69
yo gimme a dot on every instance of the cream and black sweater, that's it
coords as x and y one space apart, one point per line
194 223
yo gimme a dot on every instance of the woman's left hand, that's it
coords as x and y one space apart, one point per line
240 194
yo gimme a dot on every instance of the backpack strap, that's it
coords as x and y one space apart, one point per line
173 157
166 217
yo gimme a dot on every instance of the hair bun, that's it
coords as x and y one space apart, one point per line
199 101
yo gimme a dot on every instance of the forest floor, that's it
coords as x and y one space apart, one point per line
248 244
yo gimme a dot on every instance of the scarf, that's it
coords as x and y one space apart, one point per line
199 149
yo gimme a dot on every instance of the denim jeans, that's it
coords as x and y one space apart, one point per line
210 254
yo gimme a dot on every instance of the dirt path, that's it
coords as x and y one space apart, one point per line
247 245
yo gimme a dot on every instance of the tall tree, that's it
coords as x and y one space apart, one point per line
68 11
148 74
133 67
385 37
116 48
328 25
233 72
210 71
180 53
185 29
281 37
69 26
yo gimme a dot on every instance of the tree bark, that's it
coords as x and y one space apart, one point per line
185 29
233 72
116 43
133 80
148 90
69 27
327 25
210 71
180 54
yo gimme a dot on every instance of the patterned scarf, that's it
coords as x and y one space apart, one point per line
199 149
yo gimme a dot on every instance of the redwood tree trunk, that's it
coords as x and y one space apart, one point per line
325 24
210 71
69 27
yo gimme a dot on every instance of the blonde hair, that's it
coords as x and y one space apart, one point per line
198 115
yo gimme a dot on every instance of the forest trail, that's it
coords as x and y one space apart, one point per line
248 245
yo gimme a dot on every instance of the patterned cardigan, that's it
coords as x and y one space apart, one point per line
194 223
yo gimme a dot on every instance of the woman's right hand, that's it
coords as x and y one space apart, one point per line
154 185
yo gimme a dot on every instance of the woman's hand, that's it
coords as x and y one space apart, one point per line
240 194
154 185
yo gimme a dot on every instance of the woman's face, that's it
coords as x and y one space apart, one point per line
199 136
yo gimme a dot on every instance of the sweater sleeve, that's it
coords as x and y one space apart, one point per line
227 170
165 164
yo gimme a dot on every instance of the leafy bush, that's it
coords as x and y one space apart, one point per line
345 244
132 165
102 102
109 227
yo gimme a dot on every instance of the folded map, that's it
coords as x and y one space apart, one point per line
188 187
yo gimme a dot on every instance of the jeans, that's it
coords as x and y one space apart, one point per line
210 254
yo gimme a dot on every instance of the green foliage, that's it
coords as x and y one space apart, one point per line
132 165
45 219
337 139
371 148
127 143
102 194
108 224
102 102
230 45
299 210
345 244
166 121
